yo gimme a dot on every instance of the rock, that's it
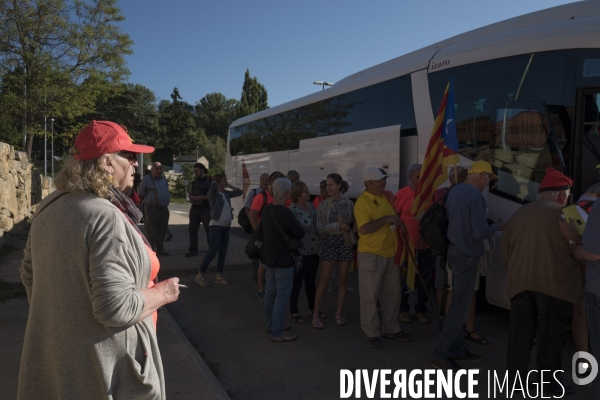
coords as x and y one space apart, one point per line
506 156
521 174
21 156
528 160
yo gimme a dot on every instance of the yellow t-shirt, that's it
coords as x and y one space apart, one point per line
384 241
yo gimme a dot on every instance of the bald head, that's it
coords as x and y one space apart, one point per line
156 169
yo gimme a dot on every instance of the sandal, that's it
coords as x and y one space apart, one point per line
321 314
341 321
298 319
317 324
480 340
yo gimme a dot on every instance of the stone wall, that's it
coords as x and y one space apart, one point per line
22 188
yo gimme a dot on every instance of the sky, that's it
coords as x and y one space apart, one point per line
202 47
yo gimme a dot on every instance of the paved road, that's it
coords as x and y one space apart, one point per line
226 324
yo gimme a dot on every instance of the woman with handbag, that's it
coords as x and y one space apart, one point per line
336 224
281 235
306 215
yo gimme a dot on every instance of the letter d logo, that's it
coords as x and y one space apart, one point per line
584 367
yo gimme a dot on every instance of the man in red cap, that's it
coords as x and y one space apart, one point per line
543 280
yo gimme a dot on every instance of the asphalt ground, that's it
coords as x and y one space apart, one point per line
226 325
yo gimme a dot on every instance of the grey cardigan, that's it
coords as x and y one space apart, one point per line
83 270
216 202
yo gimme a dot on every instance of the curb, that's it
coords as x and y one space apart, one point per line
206 373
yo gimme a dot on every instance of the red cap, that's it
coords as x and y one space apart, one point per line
105 137
555 181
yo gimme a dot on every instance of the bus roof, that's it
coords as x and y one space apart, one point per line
574 18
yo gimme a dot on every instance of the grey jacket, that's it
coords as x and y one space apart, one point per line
83 269
216 202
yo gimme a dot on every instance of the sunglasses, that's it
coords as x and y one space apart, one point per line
129 156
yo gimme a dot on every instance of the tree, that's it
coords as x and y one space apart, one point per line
254 96
133 106
213 148
177 129
64 54
214 114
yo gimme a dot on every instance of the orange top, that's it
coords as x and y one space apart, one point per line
317 201
404 200
155 267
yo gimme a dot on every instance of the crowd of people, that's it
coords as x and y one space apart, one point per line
553 270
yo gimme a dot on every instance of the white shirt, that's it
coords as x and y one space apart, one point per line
225 218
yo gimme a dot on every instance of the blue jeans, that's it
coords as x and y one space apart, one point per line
464 274
277 294
219 241
592 312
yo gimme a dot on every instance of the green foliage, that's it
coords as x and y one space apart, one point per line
177 129
254 96
177 185
57 57
213 148
214 114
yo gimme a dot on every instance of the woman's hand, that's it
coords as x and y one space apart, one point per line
569 231
169 289
344 227
355 228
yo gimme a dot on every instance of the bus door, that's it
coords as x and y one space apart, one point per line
587 139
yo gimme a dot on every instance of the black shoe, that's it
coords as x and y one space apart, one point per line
468 357
169 237
191 253
445 365
401 336
375 342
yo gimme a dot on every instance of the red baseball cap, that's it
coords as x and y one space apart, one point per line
105 137
555 181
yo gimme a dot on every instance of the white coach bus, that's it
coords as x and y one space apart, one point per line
527 95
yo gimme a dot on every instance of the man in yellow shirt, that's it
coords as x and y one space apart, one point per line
379 277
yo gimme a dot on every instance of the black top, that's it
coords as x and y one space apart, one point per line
274 252
200 187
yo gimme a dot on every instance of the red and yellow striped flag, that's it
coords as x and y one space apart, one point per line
442 151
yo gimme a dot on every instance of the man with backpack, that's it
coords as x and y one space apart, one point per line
467 229
200 209
263 186
258 204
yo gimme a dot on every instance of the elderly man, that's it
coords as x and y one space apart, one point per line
154 191
263 186
467 229
379 277
200 209
543 279
425 259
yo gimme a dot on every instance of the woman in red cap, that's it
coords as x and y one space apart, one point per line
89 273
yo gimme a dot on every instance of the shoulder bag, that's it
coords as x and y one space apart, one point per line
349 237
293 244
254 244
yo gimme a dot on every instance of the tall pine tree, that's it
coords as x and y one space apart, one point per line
254 96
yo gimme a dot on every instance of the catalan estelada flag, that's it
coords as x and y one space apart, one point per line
442 151
405 258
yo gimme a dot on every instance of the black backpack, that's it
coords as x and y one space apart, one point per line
243 219
434 227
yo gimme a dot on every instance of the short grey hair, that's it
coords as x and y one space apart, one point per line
280 188
293 173
413 168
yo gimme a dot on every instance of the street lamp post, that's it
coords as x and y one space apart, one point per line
52 146
323 84
45 150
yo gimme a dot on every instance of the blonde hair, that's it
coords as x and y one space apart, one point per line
85 176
